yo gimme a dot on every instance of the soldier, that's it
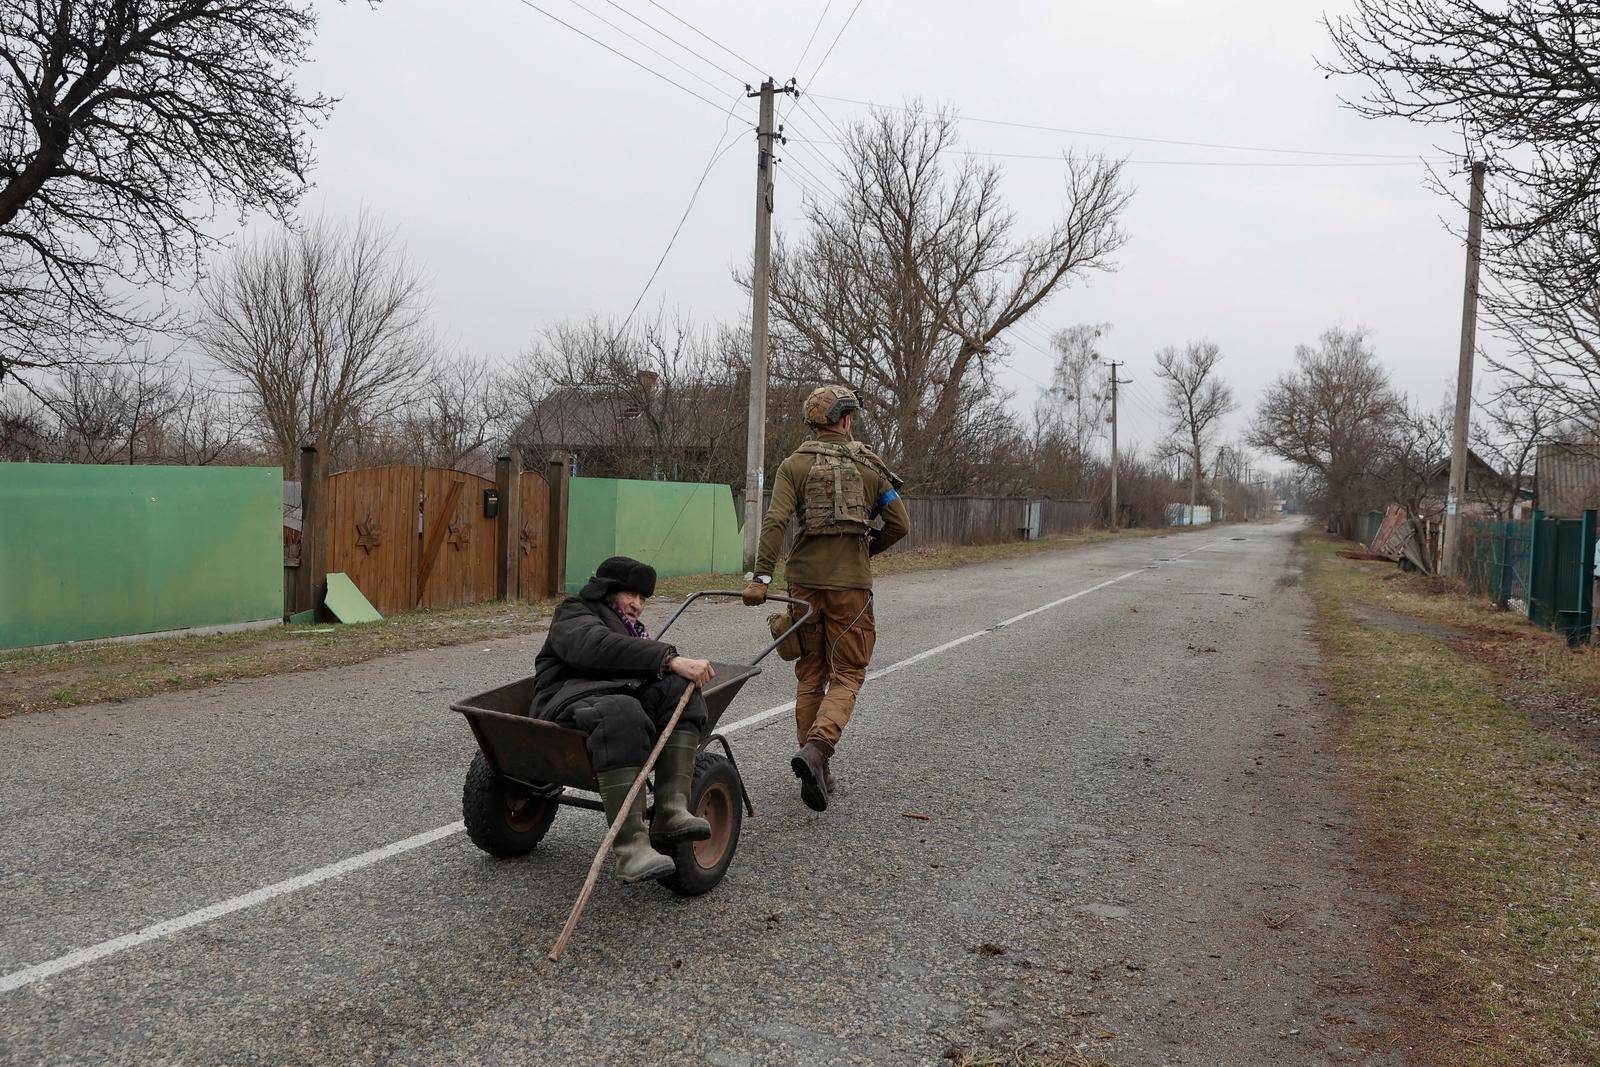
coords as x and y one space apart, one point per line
838 487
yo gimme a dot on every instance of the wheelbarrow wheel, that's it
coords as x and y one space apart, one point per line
504 819
717 796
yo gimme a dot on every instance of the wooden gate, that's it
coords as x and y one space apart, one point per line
533 540
372 532
414 537
457 565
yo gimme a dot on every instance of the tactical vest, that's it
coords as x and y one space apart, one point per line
834 498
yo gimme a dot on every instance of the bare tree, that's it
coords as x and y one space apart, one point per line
1521 81
325 330
109 414
1196 399
460 415
905 286
1553 363
27 430
1508 433
206 425
1331 416
1069 417
124 124
1406 464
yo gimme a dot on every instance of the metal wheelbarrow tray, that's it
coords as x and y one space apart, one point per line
527 769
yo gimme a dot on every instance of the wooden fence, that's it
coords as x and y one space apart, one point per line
938 521
412 537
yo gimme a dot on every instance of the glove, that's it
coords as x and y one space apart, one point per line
874 541
754 594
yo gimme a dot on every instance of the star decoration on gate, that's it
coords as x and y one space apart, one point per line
527 539
369 533
460 531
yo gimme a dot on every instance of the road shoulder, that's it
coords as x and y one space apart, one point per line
1478 805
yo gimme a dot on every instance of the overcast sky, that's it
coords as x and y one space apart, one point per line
538 176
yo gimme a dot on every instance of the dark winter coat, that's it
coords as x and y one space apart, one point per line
589 651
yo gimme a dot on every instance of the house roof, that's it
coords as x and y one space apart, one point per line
1568 477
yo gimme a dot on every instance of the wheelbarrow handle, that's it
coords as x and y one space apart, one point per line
790 600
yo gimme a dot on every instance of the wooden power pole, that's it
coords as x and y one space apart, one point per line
1113 364
1469 342
756 434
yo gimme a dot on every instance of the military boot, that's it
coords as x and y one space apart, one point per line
637 861
673 823
810 765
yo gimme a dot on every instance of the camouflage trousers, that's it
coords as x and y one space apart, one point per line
836 646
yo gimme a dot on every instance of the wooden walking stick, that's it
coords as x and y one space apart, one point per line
611 834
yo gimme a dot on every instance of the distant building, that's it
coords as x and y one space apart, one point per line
1489 494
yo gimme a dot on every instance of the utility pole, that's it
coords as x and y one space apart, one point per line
756 439
1469 342
1114 364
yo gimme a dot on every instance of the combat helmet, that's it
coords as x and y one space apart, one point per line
827 405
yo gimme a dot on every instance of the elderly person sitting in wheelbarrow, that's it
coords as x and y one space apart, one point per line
600 672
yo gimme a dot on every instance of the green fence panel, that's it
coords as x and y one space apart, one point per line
1542 578
1570 619
676 527
107 551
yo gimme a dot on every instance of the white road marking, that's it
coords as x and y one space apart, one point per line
40 971
80 957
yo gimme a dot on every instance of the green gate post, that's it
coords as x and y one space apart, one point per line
1533 557
1585 623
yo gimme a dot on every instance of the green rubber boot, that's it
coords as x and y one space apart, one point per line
673 822
637 861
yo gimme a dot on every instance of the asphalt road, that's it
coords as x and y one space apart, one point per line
1135 847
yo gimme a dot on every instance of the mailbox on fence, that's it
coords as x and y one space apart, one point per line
491 503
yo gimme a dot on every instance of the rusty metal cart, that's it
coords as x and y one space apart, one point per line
527 769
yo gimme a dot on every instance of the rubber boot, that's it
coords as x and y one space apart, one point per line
810 765
673 823
637 861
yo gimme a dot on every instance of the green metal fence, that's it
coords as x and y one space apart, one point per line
1494 559
107 551
1546 565
676 527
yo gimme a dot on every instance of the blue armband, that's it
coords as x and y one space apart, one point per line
889 497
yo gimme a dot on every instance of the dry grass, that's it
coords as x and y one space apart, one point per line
88 674
1486 822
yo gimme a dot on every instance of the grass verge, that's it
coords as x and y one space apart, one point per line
87 674
1484 812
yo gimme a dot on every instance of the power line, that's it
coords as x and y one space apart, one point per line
1133 137
649 48
807 50
807 104
848 19
706 36
623 55
663 33
1416 161
716 155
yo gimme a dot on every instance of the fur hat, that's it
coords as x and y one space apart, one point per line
620 574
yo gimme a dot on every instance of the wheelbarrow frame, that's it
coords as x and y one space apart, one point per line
548 760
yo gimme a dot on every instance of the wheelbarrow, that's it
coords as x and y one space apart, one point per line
527 769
